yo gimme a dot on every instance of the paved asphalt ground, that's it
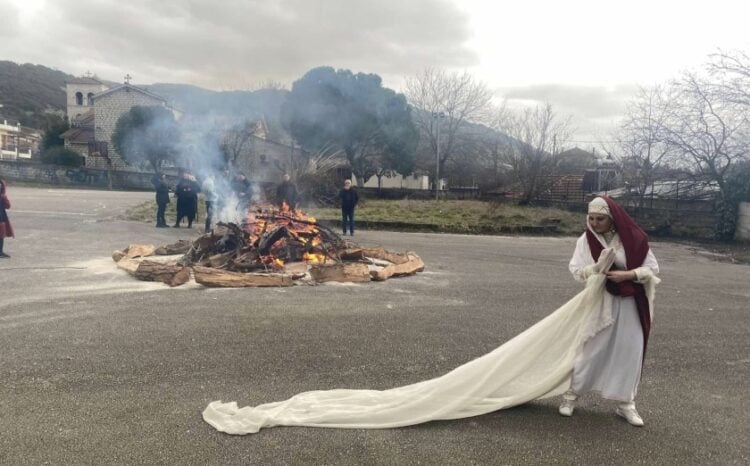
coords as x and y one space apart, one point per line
97 368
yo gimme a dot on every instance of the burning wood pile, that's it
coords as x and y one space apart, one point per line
272 247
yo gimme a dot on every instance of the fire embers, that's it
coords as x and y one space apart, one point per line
268 240
272 247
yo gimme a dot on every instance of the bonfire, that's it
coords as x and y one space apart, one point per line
272 246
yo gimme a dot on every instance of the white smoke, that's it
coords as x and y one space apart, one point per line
200 151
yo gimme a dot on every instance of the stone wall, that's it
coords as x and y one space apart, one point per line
265 161
100 163
107 111
80 177
743 222
80 149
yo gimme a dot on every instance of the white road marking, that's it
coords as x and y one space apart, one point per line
52 212
44 320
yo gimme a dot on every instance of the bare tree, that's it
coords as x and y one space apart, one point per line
642 146
497 145
539 135
709 127
327 159
445 103
236 140
731 72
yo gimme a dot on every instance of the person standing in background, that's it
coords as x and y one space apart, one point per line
162 199
286 191
186 193
349 199
209 191
6 229
243 189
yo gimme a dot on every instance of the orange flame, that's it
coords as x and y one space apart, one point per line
263 218
314 258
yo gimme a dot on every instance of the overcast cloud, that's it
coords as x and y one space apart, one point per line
236 43
592 101
595 109
583 56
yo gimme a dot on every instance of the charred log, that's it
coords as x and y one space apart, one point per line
268 239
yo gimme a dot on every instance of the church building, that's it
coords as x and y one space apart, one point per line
93 108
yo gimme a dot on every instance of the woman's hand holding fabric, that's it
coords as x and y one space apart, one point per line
619 276
606 259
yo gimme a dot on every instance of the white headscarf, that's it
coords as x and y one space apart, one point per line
599 206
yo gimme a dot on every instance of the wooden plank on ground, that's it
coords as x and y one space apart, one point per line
180 247
412 266
129 265
220 278
171 274
376 253
345 272
140 250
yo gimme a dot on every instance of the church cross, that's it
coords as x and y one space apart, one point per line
128 78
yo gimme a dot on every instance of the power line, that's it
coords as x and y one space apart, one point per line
593 141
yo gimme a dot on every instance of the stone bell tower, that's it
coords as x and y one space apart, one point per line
80 95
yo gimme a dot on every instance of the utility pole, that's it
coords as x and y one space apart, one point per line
437 116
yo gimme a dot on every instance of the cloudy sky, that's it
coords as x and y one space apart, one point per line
585 57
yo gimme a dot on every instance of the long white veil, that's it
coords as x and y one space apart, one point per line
536 364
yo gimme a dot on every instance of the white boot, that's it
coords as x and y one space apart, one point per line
568 404
627 410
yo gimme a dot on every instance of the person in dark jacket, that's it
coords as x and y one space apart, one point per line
162 199
186 193
6 229
243 189
349 199
211 199
286 191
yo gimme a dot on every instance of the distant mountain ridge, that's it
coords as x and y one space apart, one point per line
34 94
31 94
245 104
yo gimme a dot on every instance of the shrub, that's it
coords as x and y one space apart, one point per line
62 156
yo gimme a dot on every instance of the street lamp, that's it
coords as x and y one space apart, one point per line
437 116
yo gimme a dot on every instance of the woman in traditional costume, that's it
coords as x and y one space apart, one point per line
611 361
594 342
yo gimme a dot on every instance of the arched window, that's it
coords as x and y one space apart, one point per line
90 99
79 98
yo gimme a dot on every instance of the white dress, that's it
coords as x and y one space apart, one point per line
610 363
538 363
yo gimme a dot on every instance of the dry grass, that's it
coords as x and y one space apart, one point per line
456 216
146 212
453 216
460 216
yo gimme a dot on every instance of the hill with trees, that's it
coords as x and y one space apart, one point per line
33 95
